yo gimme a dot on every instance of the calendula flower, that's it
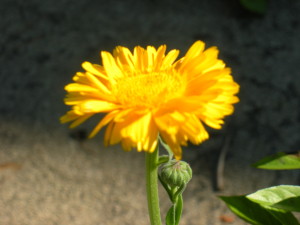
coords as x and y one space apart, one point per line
149 93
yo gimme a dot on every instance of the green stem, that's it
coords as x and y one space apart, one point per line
152 191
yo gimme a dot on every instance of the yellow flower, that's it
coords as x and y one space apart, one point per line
148 93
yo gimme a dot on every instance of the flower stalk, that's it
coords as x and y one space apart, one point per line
152 187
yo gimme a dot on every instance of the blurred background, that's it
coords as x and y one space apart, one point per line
52 175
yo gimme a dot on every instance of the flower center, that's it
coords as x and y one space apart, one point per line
150 90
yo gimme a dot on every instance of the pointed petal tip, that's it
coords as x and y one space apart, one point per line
178 157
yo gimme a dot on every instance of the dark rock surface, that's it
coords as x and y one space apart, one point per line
48 177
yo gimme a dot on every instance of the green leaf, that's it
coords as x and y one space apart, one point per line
256 6
256 214
273 195
280 161
285 217
290 204
282 196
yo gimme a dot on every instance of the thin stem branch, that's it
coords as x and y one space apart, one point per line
152 188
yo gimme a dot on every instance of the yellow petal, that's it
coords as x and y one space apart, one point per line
184 104
74 98
102 88
142 131
194 129
198 86
127 144
195 50
69 116
124 58
122 115
81 78
169 59
169 122
174 145
94 69
159 57
95 106
149 60
110 66
80 120
111 138
138 55
103 123
137 128
213 123
75 87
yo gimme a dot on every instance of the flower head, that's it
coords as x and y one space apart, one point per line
147 92
176 173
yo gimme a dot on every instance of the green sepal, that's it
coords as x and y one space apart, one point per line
163 159
174 213
178 209
165 185
178 193
170 218
170 153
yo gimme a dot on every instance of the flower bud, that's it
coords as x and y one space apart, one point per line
176 173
